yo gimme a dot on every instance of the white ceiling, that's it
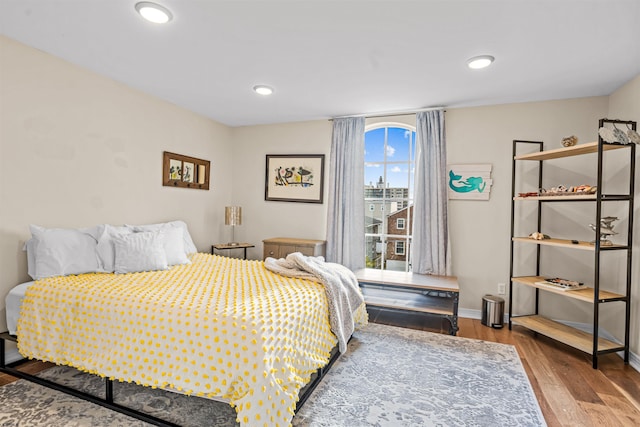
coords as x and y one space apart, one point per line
333 58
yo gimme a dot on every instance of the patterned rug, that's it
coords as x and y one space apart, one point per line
390 377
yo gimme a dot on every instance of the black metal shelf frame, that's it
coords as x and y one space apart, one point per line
599 200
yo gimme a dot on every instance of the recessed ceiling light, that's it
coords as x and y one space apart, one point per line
263 89
154 12
481 61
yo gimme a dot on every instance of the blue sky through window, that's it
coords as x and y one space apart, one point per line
400 150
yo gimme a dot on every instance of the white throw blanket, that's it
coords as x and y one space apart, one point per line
340 284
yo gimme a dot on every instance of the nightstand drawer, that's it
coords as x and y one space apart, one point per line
271 251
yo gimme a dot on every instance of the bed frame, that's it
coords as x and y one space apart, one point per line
108 400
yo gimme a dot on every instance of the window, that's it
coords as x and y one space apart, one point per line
389 167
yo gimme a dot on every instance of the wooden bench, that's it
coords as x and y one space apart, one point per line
433 295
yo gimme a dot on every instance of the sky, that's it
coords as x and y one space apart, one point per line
400 150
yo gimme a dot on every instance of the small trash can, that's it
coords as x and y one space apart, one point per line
492 311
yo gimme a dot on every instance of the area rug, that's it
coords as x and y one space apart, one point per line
389 377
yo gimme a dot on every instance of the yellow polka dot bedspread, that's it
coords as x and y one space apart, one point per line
218 327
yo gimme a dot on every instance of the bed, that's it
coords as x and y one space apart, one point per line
215 327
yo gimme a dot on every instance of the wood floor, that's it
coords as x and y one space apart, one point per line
569 391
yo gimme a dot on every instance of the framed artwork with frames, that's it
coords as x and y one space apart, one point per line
184 171
294 178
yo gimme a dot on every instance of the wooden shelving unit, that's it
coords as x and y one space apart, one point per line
593 294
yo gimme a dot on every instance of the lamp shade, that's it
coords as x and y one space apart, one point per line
233 215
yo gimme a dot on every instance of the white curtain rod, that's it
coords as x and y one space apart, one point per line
389 114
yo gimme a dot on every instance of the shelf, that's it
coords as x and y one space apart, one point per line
576 150
557 198
583 294
567 244
586 197
573 337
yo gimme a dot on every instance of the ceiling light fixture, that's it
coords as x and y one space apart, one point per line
154 12
263 89
481 61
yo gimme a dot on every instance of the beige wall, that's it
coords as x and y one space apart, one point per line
264 219
480 230
77 149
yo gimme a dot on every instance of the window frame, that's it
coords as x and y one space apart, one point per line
378 259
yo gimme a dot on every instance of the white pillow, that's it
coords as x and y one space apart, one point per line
139 252
106 249
30 248
59 252
189 246
173 245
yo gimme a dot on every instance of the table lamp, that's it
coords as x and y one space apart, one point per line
233 217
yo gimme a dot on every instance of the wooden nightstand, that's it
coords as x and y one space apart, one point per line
280 247
227 246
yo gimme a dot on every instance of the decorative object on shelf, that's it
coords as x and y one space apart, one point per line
633 135
185 171
562 190
569 141
294 178
621 137
529 194
606 230
233 217
471 182
618 136
561 284
583 189
607 134
538 236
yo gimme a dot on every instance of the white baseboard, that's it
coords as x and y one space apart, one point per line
634 359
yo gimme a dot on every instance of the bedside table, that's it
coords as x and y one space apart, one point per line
280 247
227 246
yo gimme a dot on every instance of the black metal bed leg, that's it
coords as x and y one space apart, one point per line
108 392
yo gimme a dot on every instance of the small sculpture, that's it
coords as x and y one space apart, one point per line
538 236
633 135
569 141
606 230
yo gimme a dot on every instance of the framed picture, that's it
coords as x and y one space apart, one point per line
294 178
185 171
470 182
